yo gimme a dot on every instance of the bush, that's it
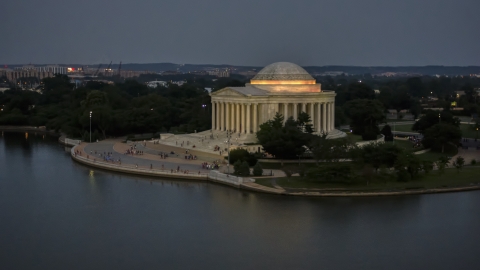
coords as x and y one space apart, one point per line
301 171
403 176
245 169
427 166
241 168
338 171
242 155
257 170
387 132
473 162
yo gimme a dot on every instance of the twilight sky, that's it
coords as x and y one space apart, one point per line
241 32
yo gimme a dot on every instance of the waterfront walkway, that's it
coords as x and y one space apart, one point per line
151 164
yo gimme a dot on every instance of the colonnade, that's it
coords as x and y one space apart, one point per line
245 117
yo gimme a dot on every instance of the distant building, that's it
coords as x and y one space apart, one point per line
155 84
331 73
179 83
219 72
14 75
55 69
171 72
200 72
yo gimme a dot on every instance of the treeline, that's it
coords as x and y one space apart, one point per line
119 109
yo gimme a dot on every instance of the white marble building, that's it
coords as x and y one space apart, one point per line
280 87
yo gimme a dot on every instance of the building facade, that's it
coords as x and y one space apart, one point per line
281 87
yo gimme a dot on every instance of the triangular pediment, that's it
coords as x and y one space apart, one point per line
227 92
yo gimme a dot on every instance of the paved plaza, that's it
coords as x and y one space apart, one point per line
151 157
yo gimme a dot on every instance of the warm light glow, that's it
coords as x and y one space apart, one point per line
282 82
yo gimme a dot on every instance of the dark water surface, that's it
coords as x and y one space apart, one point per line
57 214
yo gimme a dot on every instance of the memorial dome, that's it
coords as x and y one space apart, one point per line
283 71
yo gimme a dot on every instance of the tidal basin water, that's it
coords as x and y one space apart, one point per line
57 214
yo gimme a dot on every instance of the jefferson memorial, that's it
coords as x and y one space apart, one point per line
281 87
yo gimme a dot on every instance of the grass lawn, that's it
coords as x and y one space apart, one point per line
290 166
406 145
399 120
354 138
404 128
264 182
450 178
468 131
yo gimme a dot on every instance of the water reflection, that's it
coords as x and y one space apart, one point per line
54 211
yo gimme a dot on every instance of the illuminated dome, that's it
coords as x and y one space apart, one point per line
283 71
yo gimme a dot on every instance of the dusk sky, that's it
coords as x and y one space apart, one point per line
246 32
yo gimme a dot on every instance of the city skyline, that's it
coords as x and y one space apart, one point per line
246 33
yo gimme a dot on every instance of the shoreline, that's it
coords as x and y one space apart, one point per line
28 128
250 185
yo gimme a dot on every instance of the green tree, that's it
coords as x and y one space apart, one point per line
408 166
442 163
257 170
427 166
400 100
459 163
242 155
365 115
432 118
387 132
283 141
376 155
438 135
304 122
327 150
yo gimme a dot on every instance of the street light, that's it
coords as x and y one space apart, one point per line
90 126
439 119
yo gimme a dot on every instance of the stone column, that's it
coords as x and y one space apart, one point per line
318 117
220 124
248 119
255 125
295 114
227 116
329 117
324 117
244 118
213 115
285 112
304 107
333 115
312 114
217 111
237 128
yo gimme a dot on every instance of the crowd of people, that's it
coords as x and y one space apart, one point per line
213 166
416 141
133 152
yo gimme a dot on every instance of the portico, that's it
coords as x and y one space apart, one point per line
281 87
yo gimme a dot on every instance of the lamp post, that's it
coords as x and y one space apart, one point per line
90 126
439 119
477 134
